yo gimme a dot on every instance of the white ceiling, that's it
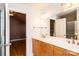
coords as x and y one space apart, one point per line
38 6
41 6
52 8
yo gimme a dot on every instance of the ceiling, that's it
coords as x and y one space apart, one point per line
44 7
38 6
41 6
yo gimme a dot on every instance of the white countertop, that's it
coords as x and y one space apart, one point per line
60 42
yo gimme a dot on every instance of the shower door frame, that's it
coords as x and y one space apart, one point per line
2 30
5 42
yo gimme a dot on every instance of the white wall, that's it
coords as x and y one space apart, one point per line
39 22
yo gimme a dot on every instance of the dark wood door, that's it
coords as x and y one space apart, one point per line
18 48
17 31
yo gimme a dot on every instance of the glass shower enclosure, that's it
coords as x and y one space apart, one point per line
2 31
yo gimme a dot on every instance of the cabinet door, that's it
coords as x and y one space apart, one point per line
41 48
70 53
46 49
60 27
36 47
58 51
49 50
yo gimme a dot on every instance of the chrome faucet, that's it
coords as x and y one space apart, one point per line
43 35
75 37
73 40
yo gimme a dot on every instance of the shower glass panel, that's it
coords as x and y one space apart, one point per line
2 35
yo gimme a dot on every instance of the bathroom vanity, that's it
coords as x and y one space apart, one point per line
64 36
53 46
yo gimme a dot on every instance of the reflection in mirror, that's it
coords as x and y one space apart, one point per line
71 24
52 24
71 19
71 30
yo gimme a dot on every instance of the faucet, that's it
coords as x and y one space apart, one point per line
73 41
43 35
76 36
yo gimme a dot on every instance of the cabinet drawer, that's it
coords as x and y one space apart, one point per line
36 48
50 49
46 49
43 50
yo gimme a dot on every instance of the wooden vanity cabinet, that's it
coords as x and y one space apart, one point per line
46 49
58 51
70 53
36 48
42 49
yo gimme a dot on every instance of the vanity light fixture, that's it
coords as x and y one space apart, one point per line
66 5
69 5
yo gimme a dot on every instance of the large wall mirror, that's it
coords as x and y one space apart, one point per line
69 22
71 19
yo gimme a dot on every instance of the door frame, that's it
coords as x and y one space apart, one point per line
7 31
